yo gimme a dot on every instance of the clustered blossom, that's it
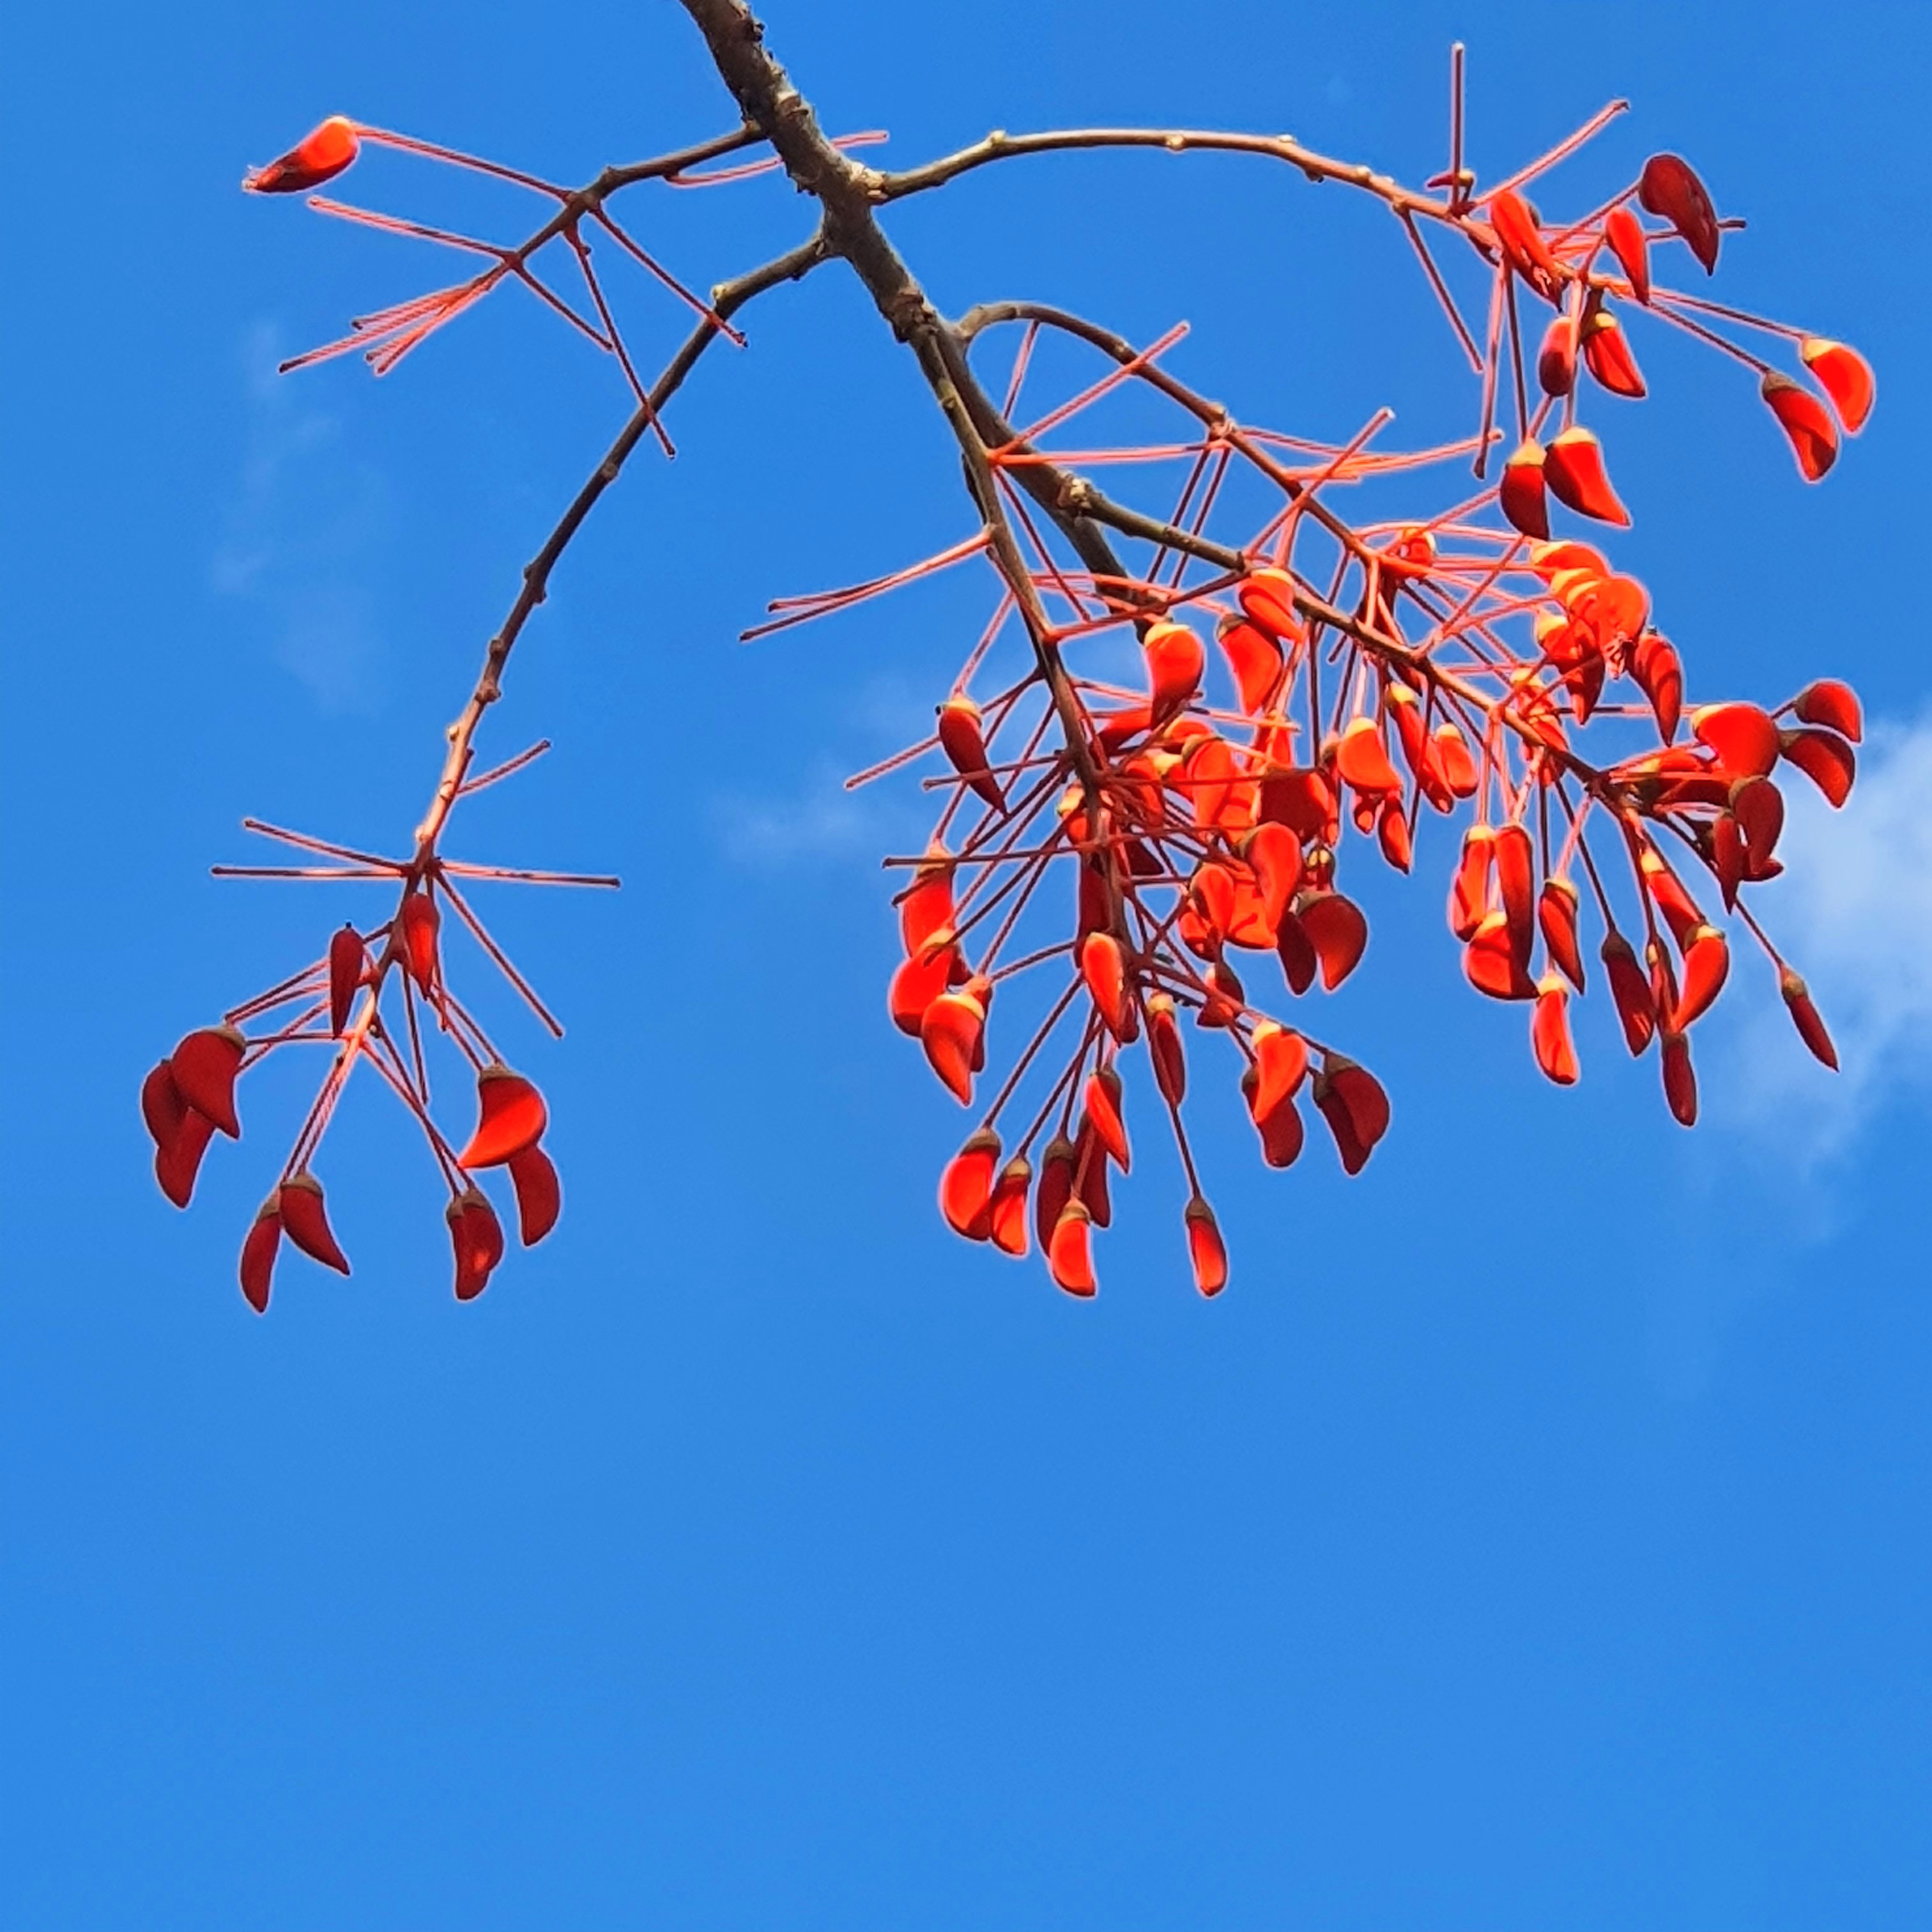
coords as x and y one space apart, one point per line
366 998
1160 855
367 995
1456 663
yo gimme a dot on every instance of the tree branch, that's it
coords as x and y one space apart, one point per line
999 146
727 299
768 101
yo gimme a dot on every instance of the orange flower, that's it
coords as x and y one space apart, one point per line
1573 467
318 157
1807 426
966 1187
511 1117
1206 1251
1549 1031
1625 234
1847 378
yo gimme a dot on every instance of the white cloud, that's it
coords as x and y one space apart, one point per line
1853 914
826 821
823 820
304 524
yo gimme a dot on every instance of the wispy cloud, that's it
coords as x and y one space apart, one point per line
305 525
821 821
1853 913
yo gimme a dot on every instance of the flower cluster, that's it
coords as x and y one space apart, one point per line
1144 818
365 999
1196 816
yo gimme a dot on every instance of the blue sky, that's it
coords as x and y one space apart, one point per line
754 1553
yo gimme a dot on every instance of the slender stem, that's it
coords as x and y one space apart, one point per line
503 771
498 955
999 146
726 300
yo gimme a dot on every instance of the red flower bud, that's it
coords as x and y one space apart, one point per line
1797 997
178 1160
926 905
1744 737
1824 758
1208 775
1101 1099
319 156
511 1117
1300 799
1521 494
952 1032
1758 806
1266 598
1281 1060
1806 423
1549 1031
1556 358
1659 676
1669 188
1607 355
1362 758
1206 1253
1469 884
1833 704
1296 952
1515 888
1680 1080
1520 236
966 1186
477 1237
921 980
961 739
1090 1173
1273 855
1352 1101
1007 1212
1174 660
1105 972
1556 916
1847 378
1070 1251
1454 759
1338 932
1492 963
1056 1166
163 1109
1280 1127
1628 243
539 1194
204 1065
1665 890
1573 467
1254 658
1393 834
1729 862
1707 962
348 958
420 921
258 1254
1631 990
305 1221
